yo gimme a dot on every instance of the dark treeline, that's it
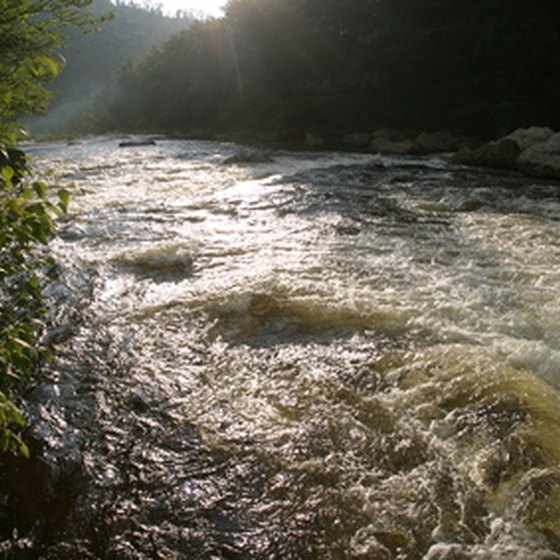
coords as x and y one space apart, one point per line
126 32
480 67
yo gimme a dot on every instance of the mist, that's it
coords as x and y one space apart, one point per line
93 61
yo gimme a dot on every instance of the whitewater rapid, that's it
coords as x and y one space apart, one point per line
329 355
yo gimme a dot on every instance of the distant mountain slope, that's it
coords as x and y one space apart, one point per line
93 58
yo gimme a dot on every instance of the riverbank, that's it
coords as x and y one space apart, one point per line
533 151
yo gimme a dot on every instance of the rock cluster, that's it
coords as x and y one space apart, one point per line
502 153
400 142
534 151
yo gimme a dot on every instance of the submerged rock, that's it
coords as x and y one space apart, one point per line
136 143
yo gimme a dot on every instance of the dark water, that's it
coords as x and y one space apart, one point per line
329 356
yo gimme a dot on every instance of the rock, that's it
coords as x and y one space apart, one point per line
249 156
357 139
542 159
395 134
60 334
38 489
528 137
428 143
136 143
464 155
387 146
501 154
314 141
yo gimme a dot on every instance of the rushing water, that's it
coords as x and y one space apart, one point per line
328 356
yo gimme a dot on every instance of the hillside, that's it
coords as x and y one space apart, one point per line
130 32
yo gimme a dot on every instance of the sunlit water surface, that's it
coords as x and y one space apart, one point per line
328 356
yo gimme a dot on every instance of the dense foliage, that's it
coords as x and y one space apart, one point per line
26 223
31 31
479 67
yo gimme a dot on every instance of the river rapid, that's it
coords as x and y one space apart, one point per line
326 356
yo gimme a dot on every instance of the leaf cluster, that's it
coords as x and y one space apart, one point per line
26 222
31 34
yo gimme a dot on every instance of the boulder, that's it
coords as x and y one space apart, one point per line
464 155
357 139
428 143
501 154
394 134
528 137
542 159
387 146
314 141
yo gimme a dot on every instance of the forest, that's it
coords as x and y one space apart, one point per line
280 67
124 31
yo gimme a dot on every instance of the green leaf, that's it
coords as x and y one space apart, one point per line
64 200
40 189
7 174
49 64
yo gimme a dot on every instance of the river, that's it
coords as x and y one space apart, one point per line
329 355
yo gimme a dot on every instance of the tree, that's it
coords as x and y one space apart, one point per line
31 32
480 68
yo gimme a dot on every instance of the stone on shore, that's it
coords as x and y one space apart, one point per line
500 154
528 137
534 151
314 141
542 159
390 141
431 143
357 139
391 147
